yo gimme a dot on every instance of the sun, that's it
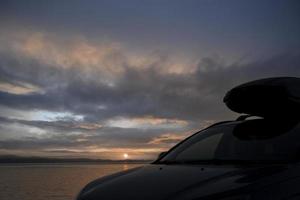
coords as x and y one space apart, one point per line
125 155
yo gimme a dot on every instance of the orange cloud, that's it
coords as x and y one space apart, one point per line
171 138
103 56
108 153
146 122
88 126
22 88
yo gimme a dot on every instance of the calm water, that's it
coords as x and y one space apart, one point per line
51 181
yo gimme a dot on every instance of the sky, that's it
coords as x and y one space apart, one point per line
100 79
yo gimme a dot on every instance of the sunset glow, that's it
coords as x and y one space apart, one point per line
125 155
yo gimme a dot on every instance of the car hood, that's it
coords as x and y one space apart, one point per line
180 182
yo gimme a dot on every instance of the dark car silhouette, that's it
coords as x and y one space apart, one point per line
246 159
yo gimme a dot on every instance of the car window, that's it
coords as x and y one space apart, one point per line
204 149
251 140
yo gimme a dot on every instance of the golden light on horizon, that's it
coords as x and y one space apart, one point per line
125 155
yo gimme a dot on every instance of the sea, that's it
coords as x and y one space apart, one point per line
51 181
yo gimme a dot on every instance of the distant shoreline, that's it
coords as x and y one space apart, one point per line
73 163
46 160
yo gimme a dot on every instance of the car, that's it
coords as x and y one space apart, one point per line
250 158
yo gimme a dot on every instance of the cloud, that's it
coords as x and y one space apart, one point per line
72 93
22 88
146 122
169 138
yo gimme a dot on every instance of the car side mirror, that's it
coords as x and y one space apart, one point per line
161 154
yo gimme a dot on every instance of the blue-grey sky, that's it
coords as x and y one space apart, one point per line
104 78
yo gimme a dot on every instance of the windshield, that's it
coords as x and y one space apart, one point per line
256 140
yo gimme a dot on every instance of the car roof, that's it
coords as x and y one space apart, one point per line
224 124
240 121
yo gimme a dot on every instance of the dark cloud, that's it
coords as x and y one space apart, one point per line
66 134
206 26
194 97
191 96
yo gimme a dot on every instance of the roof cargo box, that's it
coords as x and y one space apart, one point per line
271 97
